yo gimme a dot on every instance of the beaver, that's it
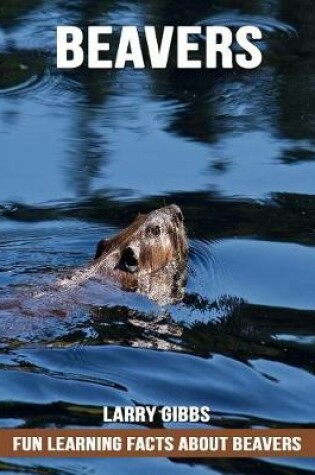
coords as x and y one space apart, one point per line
148 257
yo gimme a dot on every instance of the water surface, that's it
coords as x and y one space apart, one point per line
83 152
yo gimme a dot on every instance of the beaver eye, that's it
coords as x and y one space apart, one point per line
155 230
128 261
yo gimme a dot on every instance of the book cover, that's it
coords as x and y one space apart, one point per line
157 231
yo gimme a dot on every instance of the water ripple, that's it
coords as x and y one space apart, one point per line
30 82
43 84
236 19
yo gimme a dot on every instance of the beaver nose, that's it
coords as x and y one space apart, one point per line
177 213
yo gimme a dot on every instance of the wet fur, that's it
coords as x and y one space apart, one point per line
158 269
160 257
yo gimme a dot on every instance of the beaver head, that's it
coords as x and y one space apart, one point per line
146 251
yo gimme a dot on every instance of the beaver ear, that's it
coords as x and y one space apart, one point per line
103 246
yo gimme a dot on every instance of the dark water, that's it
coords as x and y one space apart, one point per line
83 152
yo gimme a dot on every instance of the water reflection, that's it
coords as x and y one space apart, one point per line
157 114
